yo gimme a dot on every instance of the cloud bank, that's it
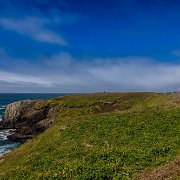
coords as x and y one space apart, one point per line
15 78
64 73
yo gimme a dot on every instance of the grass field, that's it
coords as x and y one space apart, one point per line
101 136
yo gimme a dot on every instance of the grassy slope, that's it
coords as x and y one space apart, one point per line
88 142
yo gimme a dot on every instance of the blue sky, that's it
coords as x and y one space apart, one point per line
88 46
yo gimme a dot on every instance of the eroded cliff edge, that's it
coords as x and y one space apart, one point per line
28 117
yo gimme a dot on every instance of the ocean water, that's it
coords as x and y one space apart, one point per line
5 99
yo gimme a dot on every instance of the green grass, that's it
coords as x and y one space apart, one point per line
143 132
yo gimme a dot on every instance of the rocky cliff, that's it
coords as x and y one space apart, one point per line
28 117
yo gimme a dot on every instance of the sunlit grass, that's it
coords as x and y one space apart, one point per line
142 132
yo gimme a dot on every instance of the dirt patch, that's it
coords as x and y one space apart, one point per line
108 107
86 144
166 172
2 159
105 107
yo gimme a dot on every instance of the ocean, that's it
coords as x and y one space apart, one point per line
5 99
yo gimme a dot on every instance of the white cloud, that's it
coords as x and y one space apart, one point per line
138 74
62 73
16 78
33 27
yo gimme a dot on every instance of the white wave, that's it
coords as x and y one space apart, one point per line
5 133
3 107
7 148
5 145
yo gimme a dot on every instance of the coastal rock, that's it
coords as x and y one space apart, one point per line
1 125
29 118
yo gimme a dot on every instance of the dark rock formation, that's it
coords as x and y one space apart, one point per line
29 118
1 125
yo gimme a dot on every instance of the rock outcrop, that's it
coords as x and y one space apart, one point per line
29 118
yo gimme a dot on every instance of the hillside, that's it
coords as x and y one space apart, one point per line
103 136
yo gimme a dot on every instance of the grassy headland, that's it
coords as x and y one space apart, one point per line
101 136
